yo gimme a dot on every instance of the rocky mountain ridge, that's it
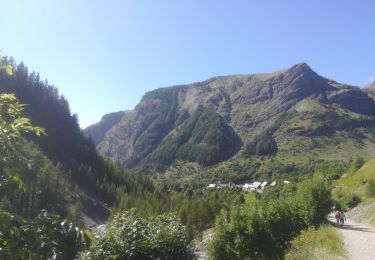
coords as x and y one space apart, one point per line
169 123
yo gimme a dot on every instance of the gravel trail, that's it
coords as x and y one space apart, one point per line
359 240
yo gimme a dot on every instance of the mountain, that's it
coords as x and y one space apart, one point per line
97 131
288 113
370 89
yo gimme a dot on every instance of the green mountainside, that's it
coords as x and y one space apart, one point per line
293 114
66 159
64 141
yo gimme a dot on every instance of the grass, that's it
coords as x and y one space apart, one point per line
361 184
357 183
322 243
364 212
299 149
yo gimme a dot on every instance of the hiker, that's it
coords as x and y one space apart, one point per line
337 217
342 218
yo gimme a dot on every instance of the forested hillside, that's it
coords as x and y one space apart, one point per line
64 142
291 114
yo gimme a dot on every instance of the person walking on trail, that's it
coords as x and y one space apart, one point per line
342 218
337 217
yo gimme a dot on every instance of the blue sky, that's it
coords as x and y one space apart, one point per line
104 55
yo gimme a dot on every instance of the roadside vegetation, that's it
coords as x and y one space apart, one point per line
277 217
357 185
356 191
315 244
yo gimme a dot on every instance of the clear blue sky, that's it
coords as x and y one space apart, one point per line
103 55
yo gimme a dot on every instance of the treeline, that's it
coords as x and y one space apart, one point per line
44 185
186 176
64 143
158 120
196 209
28 183
203 137
262 144
40 167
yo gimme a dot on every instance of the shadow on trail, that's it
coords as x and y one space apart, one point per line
332 222
351 227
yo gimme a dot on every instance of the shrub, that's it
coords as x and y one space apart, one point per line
322 243
355 165
348 200
45 237
264 229
132 237
370 188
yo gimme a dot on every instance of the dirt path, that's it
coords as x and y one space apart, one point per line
359 240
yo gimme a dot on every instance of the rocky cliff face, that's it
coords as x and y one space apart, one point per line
98 130
176 122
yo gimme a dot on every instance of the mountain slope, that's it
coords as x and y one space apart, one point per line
64 143
370 89
97 131
297 104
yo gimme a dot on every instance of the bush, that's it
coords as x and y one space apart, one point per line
132 237
45 237
322 243
355 165
348 201
370 188
264 229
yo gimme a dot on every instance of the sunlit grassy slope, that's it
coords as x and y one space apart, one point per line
322 243
358 182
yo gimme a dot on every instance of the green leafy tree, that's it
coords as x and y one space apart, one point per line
12 128
264 229
132 237
45 237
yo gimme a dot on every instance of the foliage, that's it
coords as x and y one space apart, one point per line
356 186
132 237
355 165
45 237
322 243
262 144
370 189
12 127
346 201
241 233
197 209
28 183
65 143
184 176
364 212
45 185
160 112
203 138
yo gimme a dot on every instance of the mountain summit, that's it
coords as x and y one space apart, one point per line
210 121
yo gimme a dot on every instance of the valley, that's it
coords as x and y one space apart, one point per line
251 158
